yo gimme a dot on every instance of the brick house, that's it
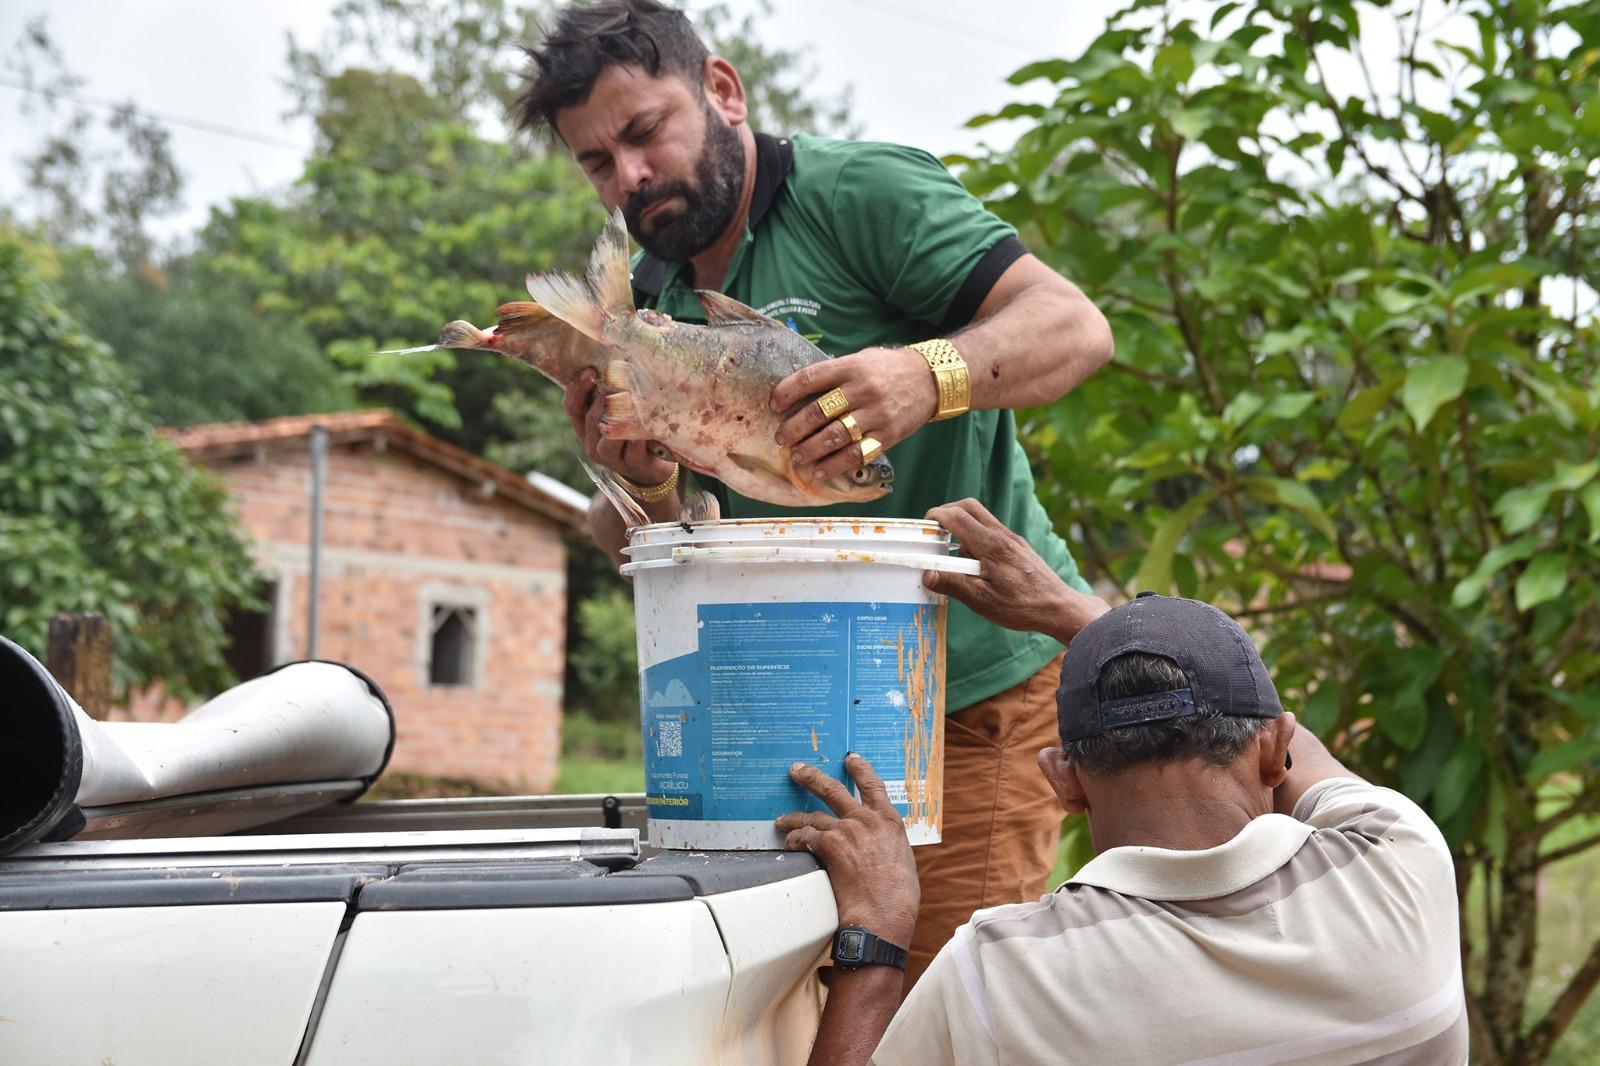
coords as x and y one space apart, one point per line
443 577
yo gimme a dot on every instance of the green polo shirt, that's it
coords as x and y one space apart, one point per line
858 244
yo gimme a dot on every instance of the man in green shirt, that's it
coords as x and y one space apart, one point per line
864 248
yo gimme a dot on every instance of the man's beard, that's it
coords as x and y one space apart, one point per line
708 205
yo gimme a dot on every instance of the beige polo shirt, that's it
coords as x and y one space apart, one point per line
1329 937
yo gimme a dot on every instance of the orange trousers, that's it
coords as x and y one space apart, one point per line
1002 824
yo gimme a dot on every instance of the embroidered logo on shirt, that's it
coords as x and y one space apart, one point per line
786 308
791 305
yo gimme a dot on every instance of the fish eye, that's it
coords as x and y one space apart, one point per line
859 475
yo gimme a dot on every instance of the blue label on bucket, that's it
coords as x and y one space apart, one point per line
774 684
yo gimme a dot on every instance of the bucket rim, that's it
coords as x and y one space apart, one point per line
922 525
747 555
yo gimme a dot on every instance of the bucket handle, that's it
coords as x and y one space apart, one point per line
949 564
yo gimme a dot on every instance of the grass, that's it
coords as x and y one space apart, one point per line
582 775
1569 924
599 756
397 785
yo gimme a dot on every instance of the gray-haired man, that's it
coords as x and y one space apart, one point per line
1253 901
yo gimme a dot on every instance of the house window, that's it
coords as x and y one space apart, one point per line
250 651
452 652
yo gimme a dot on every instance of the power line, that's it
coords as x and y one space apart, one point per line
167 117
173 119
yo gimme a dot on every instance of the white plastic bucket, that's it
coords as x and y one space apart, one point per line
768 642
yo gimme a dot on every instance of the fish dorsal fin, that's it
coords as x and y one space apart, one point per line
521 312
604 294
726 311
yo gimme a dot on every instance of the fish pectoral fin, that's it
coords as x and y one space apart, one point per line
621 420
751 464
726 311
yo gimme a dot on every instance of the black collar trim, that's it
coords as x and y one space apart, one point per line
774 160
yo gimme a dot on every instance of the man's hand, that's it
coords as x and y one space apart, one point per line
632 459
891 393
1015 588
863 847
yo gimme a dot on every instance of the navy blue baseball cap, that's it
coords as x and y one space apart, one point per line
1224 669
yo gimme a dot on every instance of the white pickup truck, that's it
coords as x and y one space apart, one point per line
517 930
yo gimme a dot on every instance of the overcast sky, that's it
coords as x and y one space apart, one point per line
920 69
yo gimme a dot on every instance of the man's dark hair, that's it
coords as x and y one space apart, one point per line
1217 738
588 38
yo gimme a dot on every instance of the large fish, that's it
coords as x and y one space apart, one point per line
703 392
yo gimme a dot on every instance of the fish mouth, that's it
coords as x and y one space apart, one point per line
846 491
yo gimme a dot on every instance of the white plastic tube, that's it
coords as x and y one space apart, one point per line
302 723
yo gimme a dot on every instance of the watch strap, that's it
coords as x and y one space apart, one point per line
887 954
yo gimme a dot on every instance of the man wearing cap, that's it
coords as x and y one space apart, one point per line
1253 901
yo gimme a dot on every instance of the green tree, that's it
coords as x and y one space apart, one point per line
97 513
1355 398
532 433
201 354
107 197
402 221
604 658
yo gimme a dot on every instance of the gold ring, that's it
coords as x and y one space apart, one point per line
870 450
848 421
833 404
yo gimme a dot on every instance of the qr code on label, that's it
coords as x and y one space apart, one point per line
669 738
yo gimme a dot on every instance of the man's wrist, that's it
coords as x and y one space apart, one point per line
951 381
896 930
667 509
1072 610
653 493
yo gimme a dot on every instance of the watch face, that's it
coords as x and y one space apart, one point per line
850 942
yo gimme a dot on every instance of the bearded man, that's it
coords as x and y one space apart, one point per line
941 323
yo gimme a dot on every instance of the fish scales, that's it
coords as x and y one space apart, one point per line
703 392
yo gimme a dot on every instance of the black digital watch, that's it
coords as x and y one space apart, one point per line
854 947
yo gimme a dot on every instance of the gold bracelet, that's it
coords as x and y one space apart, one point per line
950 374
651 493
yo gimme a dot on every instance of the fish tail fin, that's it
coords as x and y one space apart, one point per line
606 294
459 334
